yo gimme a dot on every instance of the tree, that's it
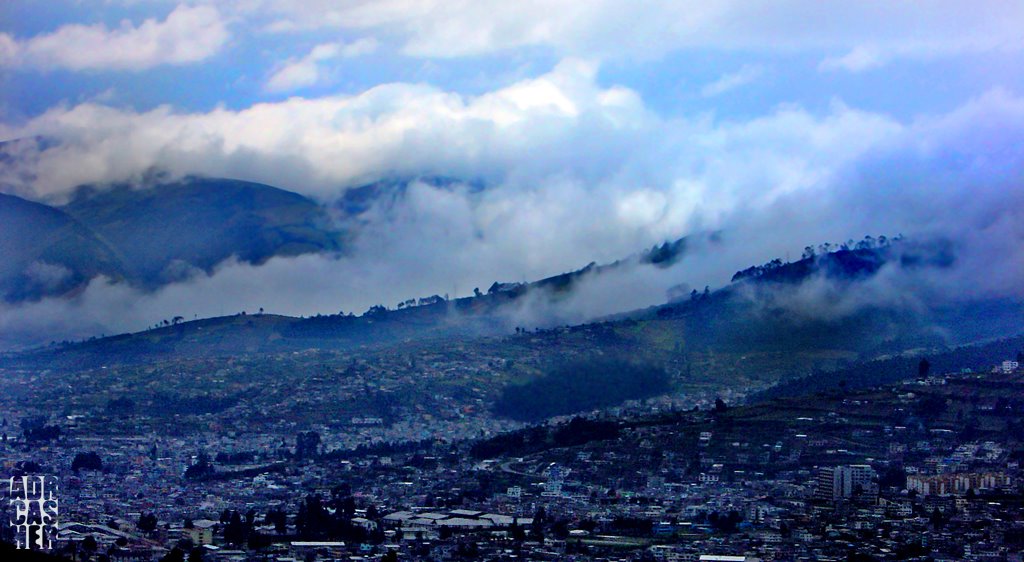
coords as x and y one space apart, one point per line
720 405
234 531
257 541
516 531
307 445
87 461
868 243
42 433
201 468
348 507
537 529
390 556
147 523
250 519
725 523
312 518
278 519
923 368
560 529
894 476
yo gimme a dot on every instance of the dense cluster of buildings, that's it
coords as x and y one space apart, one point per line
929 469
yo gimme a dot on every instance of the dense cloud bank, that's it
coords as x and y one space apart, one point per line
574 172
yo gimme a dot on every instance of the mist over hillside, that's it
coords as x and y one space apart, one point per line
487 187
842 302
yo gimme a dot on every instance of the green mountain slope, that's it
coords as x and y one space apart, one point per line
161 232
44 252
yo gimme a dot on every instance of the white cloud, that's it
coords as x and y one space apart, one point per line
575 171
188 35
359 47
453 28
311 69
321 145
295 74
858 60
8 49
745 75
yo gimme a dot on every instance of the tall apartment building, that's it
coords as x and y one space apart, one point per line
840 482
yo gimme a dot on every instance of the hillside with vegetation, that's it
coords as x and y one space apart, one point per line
46 252
744 332
163 230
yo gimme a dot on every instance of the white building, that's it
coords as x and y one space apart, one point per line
838 482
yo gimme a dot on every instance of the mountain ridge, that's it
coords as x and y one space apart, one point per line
733 320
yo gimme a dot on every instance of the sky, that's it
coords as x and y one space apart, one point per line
597 128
